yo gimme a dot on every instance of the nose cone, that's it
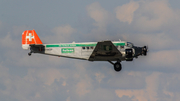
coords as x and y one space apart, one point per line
144 50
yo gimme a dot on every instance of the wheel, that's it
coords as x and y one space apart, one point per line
29 54
117 67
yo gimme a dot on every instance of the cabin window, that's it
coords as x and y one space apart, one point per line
83 48
87 47
92 47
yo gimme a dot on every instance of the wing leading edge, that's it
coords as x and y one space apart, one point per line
105 51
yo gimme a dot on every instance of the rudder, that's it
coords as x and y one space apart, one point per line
30 37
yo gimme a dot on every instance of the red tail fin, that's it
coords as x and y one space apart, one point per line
30 37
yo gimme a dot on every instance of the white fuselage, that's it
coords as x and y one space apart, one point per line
78 50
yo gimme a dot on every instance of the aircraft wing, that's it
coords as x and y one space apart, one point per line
105 50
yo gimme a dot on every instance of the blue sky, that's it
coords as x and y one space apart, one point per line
155 77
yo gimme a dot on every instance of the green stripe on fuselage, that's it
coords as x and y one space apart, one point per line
52 45
119 44
80 45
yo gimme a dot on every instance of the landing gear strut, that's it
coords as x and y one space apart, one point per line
117 66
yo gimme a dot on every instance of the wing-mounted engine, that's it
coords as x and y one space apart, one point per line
129 54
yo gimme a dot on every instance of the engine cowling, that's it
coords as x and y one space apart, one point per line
129 54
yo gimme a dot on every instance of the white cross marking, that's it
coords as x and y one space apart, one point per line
30 37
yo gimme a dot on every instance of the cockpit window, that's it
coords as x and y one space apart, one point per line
129 44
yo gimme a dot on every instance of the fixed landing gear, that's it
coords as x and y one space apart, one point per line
30 53
117 66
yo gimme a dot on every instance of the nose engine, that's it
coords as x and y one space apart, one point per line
140 51
137 51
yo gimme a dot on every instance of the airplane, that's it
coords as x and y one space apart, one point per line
92 51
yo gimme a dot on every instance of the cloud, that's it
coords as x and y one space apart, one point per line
84 84
157 88
101 17
62 33
148 15
68 99
3 72
82 88
8 41
143 94
99 77
124 81
101 94
18 30
37 85
50 75
167 58
1 25
98 13
63 30
46 76
125 13
154 15
172 85
9 47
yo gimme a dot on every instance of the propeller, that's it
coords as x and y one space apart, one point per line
145 50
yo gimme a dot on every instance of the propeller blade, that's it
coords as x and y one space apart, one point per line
145 49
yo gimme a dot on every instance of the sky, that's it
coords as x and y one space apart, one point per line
155 77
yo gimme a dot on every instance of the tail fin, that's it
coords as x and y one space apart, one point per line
30 37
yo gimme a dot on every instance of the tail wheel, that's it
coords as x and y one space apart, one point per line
117 67
29 54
